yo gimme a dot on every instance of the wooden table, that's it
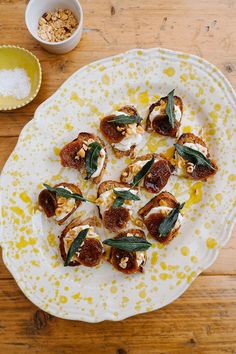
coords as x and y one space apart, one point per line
203 320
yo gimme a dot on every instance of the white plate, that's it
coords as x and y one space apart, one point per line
29 240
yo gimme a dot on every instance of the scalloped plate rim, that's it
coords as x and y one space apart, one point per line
227 231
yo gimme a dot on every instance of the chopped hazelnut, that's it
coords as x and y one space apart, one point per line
135 168
120 129
90 141
190 167
48 16
163 212
98 201
60 25
42 21
64 16
123 262
58 211
138 222
162 106
129 131
61 200
81 153
180 163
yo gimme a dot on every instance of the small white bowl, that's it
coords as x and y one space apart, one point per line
36 8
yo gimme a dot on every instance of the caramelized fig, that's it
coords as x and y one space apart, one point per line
91 252
48 202
128 262
115 219
158 176
109 130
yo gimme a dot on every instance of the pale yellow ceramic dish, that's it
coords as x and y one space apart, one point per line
12 57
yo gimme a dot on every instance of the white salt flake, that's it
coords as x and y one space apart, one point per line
15 83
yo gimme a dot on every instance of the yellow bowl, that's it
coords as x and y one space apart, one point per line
12 57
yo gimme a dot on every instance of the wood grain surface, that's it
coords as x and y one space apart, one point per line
203 320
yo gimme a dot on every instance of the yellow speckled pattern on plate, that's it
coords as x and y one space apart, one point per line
29 241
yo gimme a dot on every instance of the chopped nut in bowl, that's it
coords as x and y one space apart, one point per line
56 25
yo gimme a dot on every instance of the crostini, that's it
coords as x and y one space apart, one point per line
192 158
80 244
60 201
87 153
123 260
123 130
151 171
114 206
162 217
164 116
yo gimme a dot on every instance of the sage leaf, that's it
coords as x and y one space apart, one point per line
194 156
122 196
142 173
75 245
91 158
129 244
125 119
170 108
168 223
126 194
118 202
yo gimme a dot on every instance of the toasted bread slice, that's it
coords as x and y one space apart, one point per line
128 262
153 221
73 154
91 251
160 123
119 153
107 185
157 177
114 219
54 205
197 172
115 134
